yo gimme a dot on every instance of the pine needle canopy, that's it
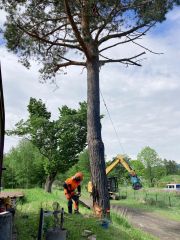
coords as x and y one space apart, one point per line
46 30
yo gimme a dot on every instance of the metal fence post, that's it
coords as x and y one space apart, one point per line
41 216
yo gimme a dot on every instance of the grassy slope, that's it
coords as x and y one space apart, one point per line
170 179
27 220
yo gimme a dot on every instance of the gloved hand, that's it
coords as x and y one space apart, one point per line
68 196
78 194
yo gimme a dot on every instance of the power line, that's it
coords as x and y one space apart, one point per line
120 144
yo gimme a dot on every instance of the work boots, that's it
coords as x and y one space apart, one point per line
76 211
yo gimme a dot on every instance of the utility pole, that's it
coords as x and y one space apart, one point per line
2 128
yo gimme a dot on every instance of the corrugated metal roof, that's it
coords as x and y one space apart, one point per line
4 195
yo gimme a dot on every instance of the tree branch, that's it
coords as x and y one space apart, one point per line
123 60
131 40
68 40
137 36
54 30
75 29
106 21
119 35
36 36
68 63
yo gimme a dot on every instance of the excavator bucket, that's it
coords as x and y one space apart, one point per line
136 184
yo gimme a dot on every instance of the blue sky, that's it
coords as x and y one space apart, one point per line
144 102
172 22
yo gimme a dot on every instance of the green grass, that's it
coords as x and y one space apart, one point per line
27 217
155 200
133 233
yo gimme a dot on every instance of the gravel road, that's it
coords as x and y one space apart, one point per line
156 225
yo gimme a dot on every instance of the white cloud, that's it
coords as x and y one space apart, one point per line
2 18
174 15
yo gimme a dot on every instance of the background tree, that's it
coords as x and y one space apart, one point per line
138 167
151 161
159 171
46 30
83 165
58 141
171 166
24 166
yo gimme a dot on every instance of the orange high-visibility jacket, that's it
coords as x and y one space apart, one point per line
70 185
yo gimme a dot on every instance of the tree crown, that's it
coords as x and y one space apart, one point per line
47 30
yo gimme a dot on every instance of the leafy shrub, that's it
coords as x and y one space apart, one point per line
150 201
161 204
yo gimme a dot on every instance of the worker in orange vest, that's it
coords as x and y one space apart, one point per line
70 185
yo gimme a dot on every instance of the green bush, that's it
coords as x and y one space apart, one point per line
150 201
161 204
168 179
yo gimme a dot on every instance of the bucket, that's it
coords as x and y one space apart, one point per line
5 226
56 234
105 223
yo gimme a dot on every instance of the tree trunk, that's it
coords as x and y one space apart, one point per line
95 144
150 176
49 182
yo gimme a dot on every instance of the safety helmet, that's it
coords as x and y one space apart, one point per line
78 176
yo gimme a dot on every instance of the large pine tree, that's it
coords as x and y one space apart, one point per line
46 30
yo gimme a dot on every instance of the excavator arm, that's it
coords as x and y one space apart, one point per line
136 184
120 159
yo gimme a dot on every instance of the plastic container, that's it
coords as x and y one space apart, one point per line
105 223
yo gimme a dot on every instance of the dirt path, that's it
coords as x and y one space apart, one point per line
158 226
162 228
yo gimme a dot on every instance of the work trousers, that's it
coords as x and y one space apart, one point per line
74 199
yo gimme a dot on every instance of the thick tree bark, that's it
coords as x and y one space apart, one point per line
95 144
49 181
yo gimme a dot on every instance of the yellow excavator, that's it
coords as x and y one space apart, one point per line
113 182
